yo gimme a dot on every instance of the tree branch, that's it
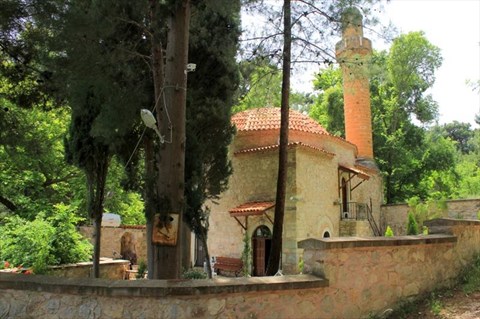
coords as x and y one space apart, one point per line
7 203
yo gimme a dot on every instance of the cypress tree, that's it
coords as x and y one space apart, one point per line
210 96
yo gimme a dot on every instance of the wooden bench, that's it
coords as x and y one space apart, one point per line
234 265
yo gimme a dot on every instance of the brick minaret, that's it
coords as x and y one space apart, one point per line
353 53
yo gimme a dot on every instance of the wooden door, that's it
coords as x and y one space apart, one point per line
259 256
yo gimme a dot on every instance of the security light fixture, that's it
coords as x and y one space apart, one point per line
150 122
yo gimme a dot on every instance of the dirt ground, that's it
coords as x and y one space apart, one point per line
454 304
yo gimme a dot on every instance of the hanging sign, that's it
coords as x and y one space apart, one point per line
165 229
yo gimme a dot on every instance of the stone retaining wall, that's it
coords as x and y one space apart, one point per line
372 274
109 269
395 215
362 276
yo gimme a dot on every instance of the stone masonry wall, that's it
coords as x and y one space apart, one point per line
395 215
111 236
375 273
363 276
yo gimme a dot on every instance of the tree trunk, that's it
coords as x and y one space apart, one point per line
277 236
96 179
97 228
150 198
171 180
203 241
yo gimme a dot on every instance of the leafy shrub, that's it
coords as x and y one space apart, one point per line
246 255
142 269
389 232
425 230
43 241
427 210
193 273
67 243
27 243
412 226
301 265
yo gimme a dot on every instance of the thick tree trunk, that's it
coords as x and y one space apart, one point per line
171 180
150 198
277 236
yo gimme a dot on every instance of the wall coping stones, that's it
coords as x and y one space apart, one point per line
103 261
448 201
452 222
356 242
157 288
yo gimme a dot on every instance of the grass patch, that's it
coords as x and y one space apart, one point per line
436 304
471 278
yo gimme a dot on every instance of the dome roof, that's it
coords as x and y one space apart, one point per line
268 118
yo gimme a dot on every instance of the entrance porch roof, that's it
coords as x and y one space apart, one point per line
251 208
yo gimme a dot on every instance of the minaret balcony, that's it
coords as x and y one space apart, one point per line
358 44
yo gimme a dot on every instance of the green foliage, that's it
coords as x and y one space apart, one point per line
412 226
194 273
471 278
261 85
142 269
213 45
44 241
389 232
127 203
246 255
461 134
413 164
328 107
478 215
436 304
427 210
27 243
424 230
68 246
33 172
301 265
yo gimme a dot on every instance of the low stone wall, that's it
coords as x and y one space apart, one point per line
372 274
395 215
261 297
109 269
362 276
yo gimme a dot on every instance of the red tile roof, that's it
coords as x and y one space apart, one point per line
276 146
252 208
356 170
268 118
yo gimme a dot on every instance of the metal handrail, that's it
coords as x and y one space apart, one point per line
360 211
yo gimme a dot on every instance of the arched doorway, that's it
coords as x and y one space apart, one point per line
261 243
344 199
326 234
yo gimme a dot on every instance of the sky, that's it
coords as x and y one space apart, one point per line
453 26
